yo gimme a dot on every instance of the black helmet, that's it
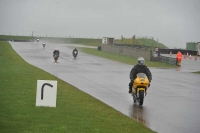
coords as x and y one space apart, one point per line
141 61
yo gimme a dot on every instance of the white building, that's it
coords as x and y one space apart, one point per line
108 40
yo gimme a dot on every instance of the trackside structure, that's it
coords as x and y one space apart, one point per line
193 46
108 40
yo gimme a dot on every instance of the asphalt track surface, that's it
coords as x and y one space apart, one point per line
172 104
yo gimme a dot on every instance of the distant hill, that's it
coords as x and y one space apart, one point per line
149 43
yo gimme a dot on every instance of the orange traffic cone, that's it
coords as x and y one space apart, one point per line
184 56
190 57
195 58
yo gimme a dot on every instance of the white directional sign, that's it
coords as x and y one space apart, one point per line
46 93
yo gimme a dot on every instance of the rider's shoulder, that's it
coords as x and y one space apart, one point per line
139 66
146 66
135 66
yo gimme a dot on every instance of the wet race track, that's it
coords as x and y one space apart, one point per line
172 104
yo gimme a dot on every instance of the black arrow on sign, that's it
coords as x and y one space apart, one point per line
42 90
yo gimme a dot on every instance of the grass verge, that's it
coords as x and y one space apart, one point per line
124 59
76 111
198 72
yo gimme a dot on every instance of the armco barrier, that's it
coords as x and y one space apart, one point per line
168 60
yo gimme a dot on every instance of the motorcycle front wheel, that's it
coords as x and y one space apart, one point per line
141 97
56 58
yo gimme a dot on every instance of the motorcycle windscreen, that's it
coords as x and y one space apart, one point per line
141 75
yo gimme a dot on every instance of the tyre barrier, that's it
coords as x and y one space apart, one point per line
168 60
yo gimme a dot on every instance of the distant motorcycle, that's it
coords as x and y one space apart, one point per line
44 44
75 53
38 40
139 89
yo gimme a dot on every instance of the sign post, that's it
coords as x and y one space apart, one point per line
46 93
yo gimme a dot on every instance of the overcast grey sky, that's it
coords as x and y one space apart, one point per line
173 22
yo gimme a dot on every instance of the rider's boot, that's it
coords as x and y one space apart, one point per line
135 96
130 87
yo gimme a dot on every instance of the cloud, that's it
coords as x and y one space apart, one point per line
173 22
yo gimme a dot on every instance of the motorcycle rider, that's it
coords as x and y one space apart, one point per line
43 44
56 52
38 39
75 51
139 68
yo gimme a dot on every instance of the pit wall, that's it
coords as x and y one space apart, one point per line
127 51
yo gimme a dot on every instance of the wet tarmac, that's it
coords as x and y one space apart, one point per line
172 104
188 64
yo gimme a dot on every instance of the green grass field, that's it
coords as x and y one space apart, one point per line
76 111
198 72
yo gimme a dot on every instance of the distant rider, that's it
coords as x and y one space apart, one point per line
38 40
75 51
139 68
43 44
56 52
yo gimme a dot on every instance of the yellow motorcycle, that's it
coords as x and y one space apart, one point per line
139 89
